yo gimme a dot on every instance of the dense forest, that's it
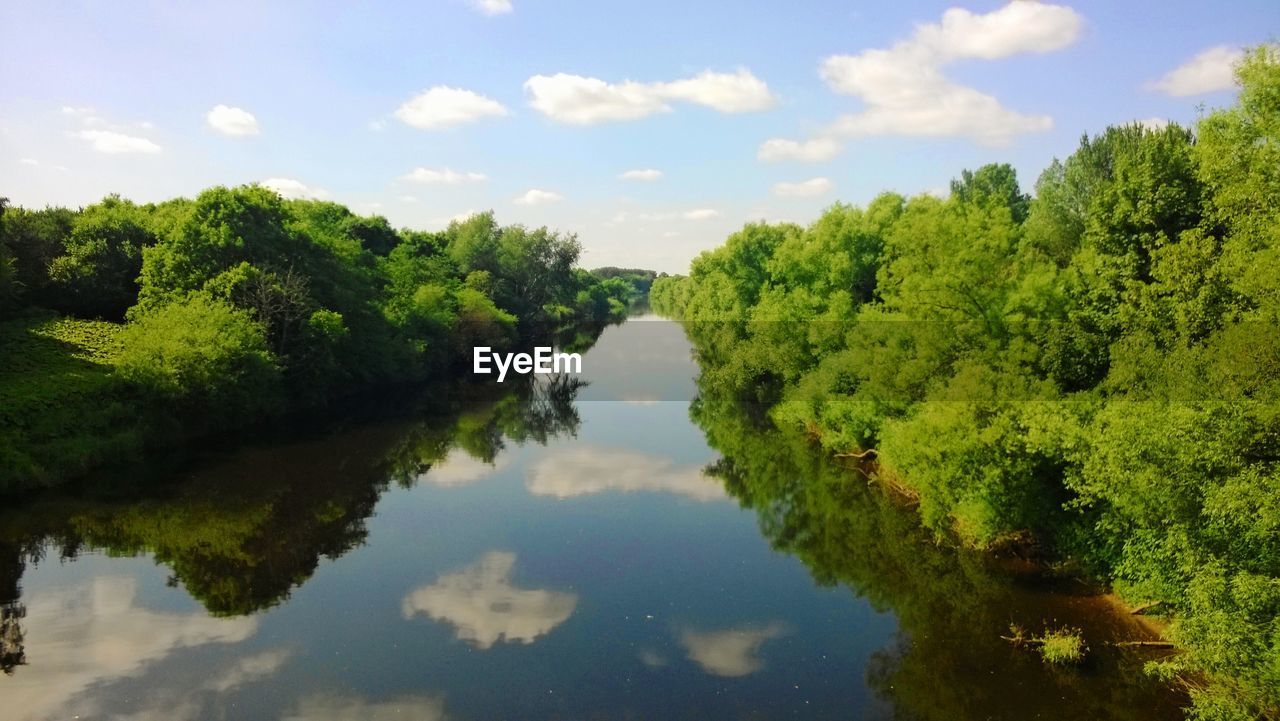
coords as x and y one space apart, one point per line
124 326
1090 374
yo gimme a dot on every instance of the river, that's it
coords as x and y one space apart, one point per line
613 550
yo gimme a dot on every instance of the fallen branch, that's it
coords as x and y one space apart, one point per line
1145 607
1144 644
865 454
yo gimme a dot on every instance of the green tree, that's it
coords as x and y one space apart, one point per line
97 276
203 357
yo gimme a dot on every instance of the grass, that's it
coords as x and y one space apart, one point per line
1062 647
61 409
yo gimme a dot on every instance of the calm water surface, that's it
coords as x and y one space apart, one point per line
562 552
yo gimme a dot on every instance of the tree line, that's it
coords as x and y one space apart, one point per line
209 313
1091 373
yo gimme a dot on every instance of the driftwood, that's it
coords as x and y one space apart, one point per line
869 453
1145 607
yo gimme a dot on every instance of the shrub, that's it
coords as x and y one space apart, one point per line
204 355
1064 646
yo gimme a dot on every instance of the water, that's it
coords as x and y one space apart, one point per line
549 554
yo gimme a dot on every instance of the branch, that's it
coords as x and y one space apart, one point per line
865 454
1144 607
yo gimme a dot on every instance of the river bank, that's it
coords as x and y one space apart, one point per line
708 567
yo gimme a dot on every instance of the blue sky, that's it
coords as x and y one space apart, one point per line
425 111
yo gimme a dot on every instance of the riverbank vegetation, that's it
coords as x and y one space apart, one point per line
1091 374
127 325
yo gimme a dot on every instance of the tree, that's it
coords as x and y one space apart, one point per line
34 238
992 184
203 356
97 276
8 284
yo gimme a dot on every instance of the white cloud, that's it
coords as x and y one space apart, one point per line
804 189
485 608
28 161
181 701
582 100
1153 123
290 188
700 214
625 216
326 706
460 468
407 198
906 93
86 636
113 143
807 151
739 92
537 197
232 122
652 658
248 669
443 107
1209 71
443 176
587 470
1016 28
644 174
492 7
732 652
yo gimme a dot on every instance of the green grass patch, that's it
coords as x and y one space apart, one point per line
1062 647
61 408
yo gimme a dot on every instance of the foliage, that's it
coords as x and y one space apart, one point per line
241 303
1093 372
97 275
8 281
61 411
204 356
1063 646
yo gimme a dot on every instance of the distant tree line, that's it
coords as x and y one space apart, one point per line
640 280
1093 372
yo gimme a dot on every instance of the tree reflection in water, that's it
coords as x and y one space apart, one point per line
246 529
949 661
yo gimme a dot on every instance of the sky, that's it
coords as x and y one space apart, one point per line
652 130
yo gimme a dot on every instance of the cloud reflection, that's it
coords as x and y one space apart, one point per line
86 635
585 470
480 602
331 707
732 652
460 468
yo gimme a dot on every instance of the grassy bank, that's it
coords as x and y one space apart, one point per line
62 411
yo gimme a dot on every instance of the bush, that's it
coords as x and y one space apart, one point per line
204 355
1063 646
